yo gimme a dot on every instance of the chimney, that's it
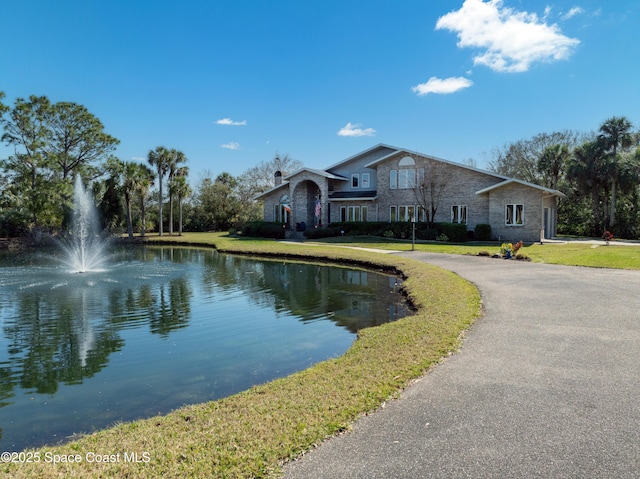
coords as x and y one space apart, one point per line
278 178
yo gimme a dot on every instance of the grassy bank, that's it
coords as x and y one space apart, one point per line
252 433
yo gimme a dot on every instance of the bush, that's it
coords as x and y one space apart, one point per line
402 230
264 229
483 232
316 233
456 232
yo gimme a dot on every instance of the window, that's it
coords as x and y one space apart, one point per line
407 161
459 214
355 180
405 213
403 179
393 214
514 215
422 214
353 213
281 213
282 210
366 180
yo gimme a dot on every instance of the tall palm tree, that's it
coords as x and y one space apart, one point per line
615 133
137 178
552 162
587 168
180 187
128 171
160 158
144 181
175 159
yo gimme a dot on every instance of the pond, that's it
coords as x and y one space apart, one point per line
162 327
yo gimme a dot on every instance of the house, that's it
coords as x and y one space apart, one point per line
385 183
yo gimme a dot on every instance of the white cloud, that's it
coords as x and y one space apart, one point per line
139 159
572 13
511 41
442 85
231 146
229 121
354 130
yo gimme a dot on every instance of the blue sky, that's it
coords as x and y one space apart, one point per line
232 82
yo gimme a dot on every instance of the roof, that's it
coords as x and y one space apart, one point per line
520 182
379 146
323 173
353 195
271 190
375 163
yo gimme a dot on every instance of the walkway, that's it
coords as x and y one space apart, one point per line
546 385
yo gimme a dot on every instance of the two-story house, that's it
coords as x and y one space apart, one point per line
385 183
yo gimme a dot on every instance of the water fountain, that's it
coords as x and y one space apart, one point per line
85 248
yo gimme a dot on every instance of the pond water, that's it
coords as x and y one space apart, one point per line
162 327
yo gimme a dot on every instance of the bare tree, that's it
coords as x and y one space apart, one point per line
432 179
260 178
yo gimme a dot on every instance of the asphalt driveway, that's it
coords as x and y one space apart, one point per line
547 384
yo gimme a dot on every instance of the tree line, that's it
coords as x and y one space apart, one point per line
51 143
599 172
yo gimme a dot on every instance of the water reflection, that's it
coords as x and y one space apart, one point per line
78 352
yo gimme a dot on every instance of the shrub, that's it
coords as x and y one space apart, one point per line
455 232
315 233
264 229
483 232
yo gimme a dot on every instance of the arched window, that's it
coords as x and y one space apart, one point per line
282 210
407 161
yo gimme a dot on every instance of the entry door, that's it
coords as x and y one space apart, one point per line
547 223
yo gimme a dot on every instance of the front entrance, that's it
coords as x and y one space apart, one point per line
307 205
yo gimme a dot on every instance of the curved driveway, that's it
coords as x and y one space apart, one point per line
547 384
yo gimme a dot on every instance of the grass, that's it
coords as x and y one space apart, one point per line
253 433
571 253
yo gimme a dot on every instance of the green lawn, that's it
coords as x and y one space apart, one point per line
573 253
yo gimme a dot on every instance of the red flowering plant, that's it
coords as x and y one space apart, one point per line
607 236
517 246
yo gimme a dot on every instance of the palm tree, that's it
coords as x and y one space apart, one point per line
615 133
128 171
144 177
181 189
552 162
176 158
160 158
587 168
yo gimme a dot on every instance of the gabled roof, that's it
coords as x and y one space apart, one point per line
379 146
375 163
285 180
271 190
323 173
520 182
